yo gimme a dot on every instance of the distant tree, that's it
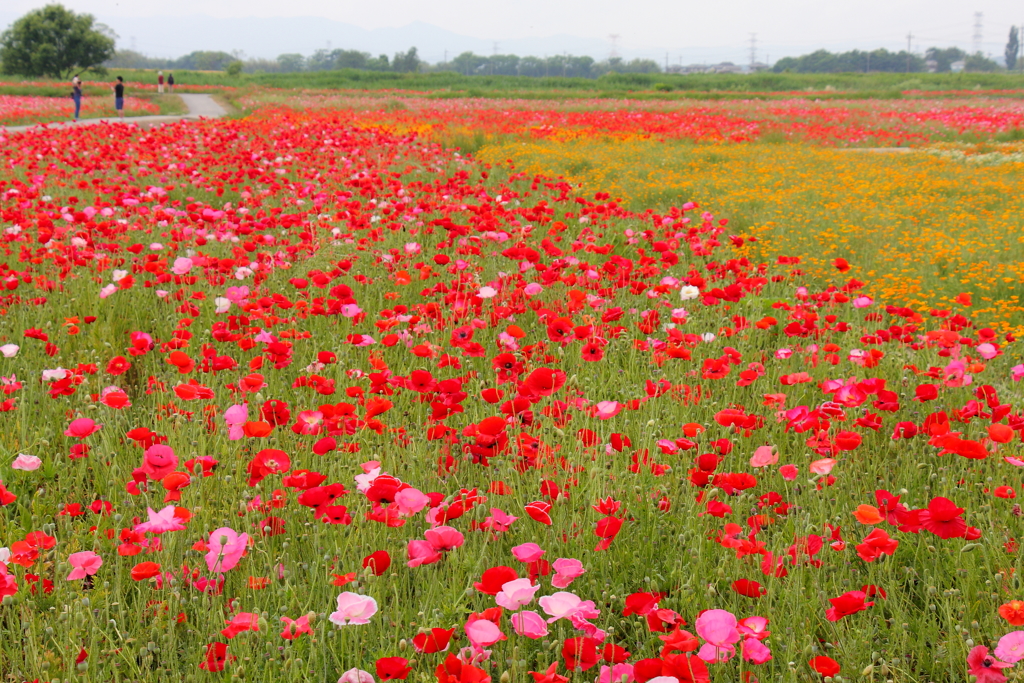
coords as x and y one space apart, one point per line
234 68
202 60
1012 48
406 62
130 59
503 65
823 61
979 63
469 64
944 57
290 63
53 41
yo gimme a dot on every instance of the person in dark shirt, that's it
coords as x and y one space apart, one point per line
76 95
170 82
119 97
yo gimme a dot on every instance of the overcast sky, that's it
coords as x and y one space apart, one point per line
785 27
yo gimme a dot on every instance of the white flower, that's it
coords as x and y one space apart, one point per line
688 292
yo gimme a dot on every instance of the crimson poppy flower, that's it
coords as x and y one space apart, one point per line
580 654
942 518
378 562
436 640
393 668
494 578
846 604
825 666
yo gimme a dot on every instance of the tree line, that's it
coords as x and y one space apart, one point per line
935 59
467 63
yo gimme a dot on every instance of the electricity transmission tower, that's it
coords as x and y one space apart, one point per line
976 38
614 37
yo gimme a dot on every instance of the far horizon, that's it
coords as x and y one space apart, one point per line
737 31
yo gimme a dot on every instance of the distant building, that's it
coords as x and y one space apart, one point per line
931 65
957 67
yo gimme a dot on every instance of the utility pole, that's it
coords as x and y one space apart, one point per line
910 36
977 37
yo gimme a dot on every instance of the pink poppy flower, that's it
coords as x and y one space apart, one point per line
158 461
26 463
608 409
616 673
718 628
516 594
1011 647
823 466
482 632
421 552
160 522
235 417
528 552
356 676
444 538
353 609
81 428
181 265
532 289
410 501
561 605
85 563
529 624
764 456
754 651
567 570
226 547
499 520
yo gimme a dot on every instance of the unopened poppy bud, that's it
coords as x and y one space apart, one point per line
867 670
403 645
505 678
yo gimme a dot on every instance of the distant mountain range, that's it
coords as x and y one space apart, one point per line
172 37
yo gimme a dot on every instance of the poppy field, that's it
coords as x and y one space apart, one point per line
18 110
309 395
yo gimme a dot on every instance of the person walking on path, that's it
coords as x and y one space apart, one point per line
119 97
160 82
76 95
170 82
